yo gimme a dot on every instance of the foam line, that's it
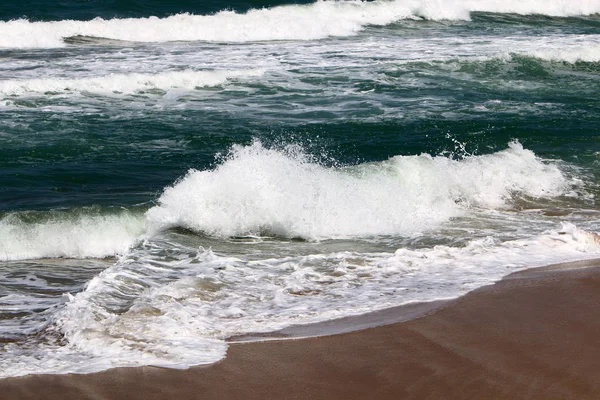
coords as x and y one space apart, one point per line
290 22
124 83
67 235
259 190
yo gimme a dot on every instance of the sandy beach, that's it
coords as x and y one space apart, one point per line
534 335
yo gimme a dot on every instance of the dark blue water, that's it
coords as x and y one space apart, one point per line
43 10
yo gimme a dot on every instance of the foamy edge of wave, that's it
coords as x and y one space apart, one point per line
66 236
170 325
288 22
259 190
125 83
572 54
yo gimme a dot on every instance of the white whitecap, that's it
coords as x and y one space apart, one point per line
259 190
124 83
289 22
68 236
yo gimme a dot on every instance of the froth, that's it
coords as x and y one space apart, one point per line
589 52
282 192
124 83
292 22
69 236
161 305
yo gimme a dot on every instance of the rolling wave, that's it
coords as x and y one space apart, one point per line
259 190
588 52
75 234
285 193
123 83
290 22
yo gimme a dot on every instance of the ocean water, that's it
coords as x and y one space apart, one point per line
173 175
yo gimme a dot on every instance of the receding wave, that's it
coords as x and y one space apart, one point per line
68 234
123 83
291 22
259 190
152 309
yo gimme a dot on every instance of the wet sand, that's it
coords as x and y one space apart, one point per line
534 335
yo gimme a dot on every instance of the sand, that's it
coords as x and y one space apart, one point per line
534 335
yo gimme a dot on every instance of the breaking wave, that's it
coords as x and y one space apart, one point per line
259 190
590 52
31 235
123 83
290 22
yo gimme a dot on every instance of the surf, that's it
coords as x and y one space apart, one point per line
318 20
171 300
286 192
125 83
77 233
257 191
169 305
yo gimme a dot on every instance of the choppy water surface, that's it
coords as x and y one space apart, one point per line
172 176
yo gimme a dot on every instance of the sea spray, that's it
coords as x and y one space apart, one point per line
284 192
268 191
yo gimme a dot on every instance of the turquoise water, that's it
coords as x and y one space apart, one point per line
174 175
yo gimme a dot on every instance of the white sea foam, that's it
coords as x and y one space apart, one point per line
292 22
588 52
154 308
82 236
258 190
124 83
283 192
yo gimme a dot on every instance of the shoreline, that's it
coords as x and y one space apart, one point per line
396 314
532 334
338 326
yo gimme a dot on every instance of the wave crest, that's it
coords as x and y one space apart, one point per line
259 190
290 22
124 83
31 235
